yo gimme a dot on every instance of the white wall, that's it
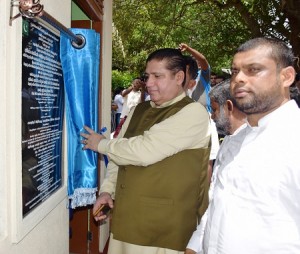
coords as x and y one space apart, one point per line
106 68
47 229
47 232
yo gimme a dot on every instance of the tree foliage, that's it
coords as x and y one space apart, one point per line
214 27
122 79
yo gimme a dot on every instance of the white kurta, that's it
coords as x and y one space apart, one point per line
255 206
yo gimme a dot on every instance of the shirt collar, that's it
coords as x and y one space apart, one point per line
243 126
277 115
170 102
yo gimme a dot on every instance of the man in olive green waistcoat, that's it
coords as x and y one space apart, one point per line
157 172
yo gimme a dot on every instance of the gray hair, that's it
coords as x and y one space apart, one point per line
220 93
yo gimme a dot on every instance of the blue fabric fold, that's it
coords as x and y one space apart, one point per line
81 77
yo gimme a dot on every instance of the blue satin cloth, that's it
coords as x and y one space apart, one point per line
81 77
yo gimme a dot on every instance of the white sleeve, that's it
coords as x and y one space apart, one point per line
196 241
215 145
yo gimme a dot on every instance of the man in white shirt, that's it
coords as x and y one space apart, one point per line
255 203
229 121
118 100
132 96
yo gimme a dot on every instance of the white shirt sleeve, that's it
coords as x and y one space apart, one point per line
215 145
196 241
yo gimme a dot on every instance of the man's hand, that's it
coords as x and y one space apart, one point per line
91 140
183 47
103 199
189 251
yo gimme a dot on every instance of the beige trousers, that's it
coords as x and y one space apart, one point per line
118 247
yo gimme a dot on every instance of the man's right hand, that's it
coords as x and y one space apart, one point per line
103 199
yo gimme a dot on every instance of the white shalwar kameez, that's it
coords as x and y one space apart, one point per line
255 205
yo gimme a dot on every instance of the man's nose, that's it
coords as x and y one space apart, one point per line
240 77
149 81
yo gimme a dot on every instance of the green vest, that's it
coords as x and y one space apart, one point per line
160 205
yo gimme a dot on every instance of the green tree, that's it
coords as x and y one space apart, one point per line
276 18
214 27
121 79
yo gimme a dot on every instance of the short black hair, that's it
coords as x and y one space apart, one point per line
280 52
175 61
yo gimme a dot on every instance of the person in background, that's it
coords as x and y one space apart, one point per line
144 93
202 88
118 100
157 172
132 96
114 108
254 207
219 79
190 82
213 79
227 117
229 121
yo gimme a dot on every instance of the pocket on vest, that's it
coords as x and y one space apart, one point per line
156 217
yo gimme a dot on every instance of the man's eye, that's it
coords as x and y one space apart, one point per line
234 71
254 70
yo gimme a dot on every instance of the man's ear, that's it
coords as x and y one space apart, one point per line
179 77
229 106
288 76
